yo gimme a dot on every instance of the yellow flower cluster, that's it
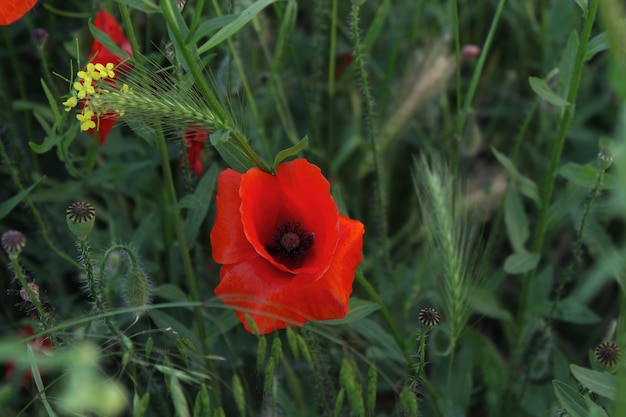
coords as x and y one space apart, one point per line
85 89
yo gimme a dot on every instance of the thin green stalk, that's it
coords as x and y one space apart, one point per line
130 32
457 51
33 209
371 134
421 373
332 50
186 257
566 119
469 97
87 267
579 244
542 224
45 319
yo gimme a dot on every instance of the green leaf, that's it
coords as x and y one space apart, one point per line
487 304
292 151
571 400
106 41
520 263
358 309
54 106
524 185
540 86
583 5
233 27
8 205
599 382
572 311
204 196
586 176
188 201
231 153
210 26
383 345
597 44
515 220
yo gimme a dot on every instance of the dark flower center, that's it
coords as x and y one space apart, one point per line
290 244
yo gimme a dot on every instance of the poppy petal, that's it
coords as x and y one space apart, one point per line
228 240
107 23
274 300
297 193
104 126
13 10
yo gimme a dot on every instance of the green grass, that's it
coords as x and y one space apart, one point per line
481 189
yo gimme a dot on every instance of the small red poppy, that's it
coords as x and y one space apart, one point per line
195 136
287 254
39 344
13 10
100 55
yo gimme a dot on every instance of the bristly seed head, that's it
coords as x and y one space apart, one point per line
429 317
13 241
608 354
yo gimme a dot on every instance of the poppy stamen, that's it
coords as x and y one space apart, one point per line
291 241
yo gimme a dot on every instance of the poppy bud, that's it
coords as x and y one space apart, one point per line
80 217
13 242
39 36
137 288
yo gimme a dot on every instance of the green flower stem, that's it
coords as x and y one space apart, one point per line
33 209
46 320
546 197
579 244
130 32
469 97
421 373
371 291
242 142
380 189
87 267
131 257
186 257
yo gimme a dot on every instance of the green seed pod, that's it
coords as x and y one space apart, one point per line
354 390
137 288
202 405
339 402
269 377
408 403
277 349
238 395
292 339
304 349
80 217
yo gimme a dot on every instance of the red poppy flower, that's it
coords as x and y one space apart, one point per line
195 136
39 344
100 55
13 10
287 254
